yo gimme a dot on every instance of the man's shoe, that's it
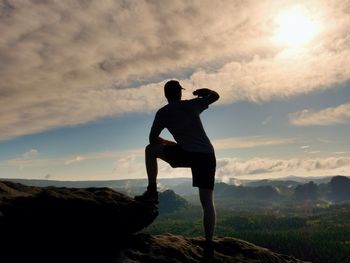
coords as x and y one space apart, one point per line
148 196
208 251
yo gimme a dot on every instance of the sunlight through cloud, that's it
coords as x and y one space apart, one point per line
295 27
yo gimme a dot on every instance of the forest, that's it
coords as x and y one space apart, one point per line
308 221
306 232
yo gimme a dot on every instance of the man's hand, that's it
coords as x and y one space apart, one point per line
202 92
210 95
165 142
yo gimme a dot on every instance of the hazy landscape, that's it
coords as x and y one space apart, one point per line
295 216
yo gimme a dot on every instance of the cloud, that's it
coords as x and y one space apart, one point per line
341 153
25 161
130 166
32 153
67 63
267 167
312 152
304 147
76 159
267 120
324 117
126 162
249 142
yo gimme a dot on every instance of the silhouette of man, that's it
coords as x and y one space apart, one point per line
192 147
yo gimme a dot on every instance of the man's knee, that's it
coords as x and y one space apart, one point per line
148 149
154 149
206 196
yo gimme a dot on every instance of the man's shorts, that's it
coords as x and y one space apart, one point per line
202 165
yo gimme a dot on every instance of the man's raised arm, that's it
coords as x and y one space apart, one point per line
208 94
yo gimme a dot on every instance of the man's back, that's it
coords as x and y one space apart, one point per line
182 120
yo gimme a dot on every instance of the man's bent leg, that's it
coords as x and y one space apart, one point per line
152 152
209 214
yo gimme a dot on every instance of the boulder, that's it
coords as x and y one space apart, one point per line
79 220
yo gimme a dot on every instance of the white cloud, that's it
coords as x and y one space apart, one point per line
76 159
324 117
341 153
249 142
305 147
129 166
267 120
267 167
23 160
70 62
67 160
312 152
133 166
32 153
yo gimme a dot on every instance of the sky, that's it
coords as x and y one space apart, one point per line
81 81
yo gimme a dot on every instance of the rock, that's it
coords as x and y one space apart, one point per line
83 218
142 248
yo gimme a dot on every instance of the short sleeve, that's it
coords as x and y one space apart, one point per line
201 104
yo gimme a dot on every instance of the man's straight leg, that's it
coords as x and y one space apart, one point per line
209 215
151 162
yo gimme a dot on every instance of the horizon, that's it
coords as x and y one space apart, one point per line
81 83
217 180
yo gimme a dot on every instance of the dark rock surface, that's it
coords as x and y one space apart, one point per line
169 248
35 220
48 224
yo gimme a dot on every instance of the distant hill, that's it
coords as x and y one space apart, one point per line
289 181
170 202
308 191
223 190
123 183
339 188
276 183
328 188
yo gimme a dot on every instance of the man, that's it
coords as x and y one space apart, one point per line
191 149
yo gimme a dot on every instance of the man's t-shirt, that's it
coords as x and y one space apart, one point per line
182 120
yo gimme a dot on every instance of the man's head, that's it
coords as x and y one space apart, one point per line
172 90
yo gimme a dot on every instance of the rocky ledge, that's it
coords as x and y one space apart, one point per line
142 248
49 224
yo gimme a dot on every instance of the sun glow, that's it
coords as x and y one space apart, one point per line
295 27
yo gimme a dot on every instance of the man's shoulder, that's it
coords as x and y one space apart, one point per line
162 109
179 104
